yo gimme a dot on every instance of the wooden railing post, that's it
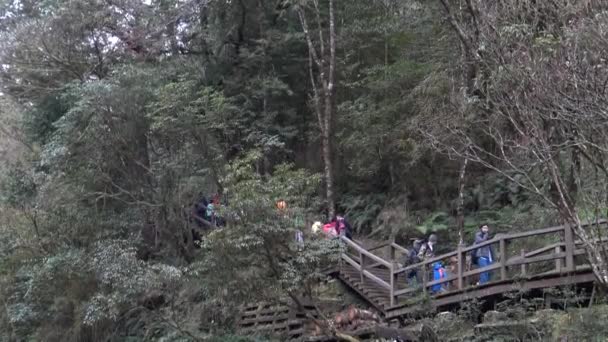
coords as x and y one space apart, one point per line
569 240
425 277
503 259
361 266
392 275
460 269
392 250
523 266
558 262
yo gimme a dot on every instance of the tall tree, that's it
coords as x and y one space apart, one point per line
534 112
322 68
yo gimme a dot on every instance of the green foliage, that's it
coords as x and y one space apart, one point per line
436 222
128 112
257 253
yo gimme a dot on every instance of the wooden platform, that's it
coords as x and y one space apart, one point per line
275 319
381 281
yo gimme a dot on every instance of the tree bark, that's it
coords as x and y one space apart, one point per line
460 208
322 69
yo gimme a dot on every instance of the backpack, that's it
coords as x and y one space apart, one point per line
413 258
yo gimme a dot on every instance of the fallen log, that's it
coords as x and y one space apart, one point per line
399 334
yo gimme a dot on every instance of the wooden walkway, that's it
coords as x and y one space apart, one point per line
525 261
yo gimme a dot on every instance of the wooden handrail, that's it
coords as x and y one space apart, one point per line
544 249
476 271
382 245
400 248
495 240
519 260
563 252
363 251
367 274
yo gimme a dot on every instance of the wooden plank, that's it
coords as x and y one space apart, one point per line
367 274
492 267
452 298
392 285
442 280
503 259
569 241
558 262
377 280
406 291
382 245
518 260
356 288
460 268
353 263
523 266
401 249
362 266
367 254
425 278
544 249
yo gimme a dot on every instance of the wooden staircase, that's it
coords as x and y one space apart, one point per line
376 275
379 297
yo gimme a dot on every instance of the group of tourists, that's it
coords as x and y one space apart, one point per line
204 212
337 226
424 249
204 215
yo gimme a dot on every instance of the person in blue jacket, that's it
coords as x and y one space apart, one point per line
485 254
438 273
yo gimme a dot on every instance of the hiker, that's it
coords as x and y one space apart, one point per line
412 259
211 212
438 273
427 250
485 254
316 227
330 229
343 227
199 212
299 238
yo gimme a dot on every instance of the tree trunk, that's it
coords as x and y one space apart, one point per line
329 173
460 208
323 81
330 109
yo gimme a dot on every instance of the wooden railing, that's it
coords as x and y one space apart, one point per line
510 263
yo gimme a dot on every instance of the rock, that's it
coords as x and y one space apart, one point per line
445 317
494 317
450 326
506 330
152 300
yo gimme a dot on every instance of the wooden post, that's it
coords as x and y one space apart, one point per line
362 266
558 262
392 275
523 266
392 250
460 269
425 277
503 259
569 240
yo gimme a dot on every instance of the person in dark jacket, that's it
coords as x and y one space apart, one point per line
343 227
485 254
412 259
427 250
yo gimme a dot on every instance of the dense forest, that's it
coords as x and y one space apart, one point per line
407 117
